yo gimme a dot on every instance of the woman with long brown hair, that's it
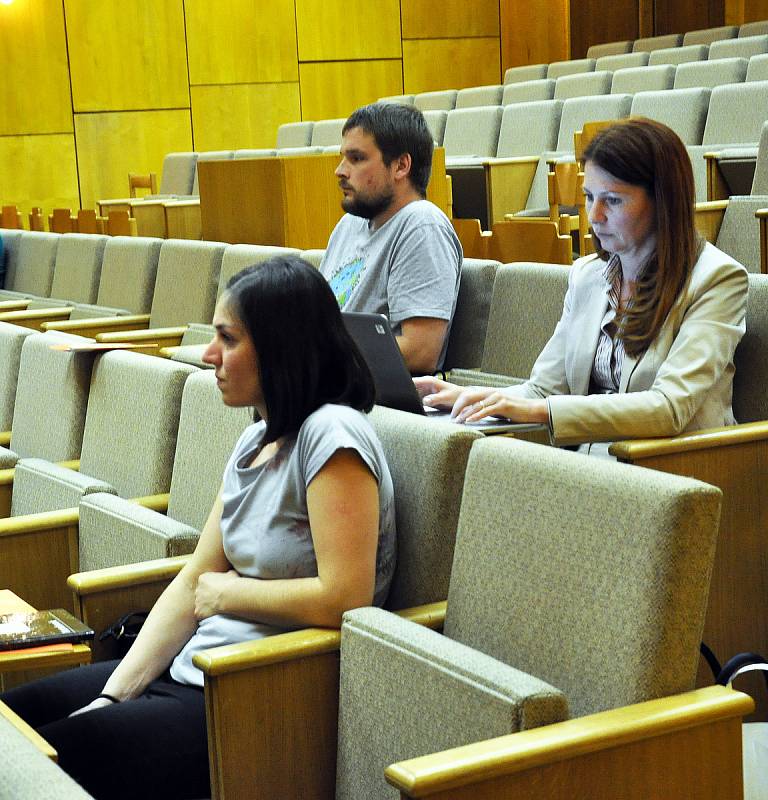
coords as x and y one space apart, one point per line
650 323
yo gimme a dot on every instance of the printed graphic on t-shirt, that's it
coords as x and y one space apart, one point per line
345 279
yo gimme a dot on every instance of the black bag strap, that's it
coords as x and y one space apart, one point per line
711 659
741 663
127 627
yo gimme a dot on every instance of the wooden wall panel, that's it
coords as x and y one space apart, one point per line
39 171
534 31
242 41
432 64
109 146
34 89
594 21
244 115
738 11
679 16
335 89
444 19
127 55
337 30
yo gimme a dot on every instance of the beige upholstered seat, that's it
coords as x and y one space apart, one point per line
472 132
621 61
678 55
444 100
743 47
650 43
553 610
711 73
606 49
11 342
758 28
583 84
398 99
559 68
709 35
528 91
30 271
757 69
683 110
528 72
643 79
294 134
436 123
479 96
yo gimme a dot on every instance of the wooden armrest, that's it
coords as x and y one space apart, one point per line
43 521
168 352
712 205
155 502
761 213
14 305
508 184
36 317
102 580
599 756
192 201
5 438
149 335
698 440
93 326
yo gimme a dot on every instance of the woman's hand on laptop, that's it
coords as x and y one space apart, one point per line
437 393
477 402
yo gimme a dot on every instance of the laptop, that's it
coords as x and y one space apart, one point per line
394 385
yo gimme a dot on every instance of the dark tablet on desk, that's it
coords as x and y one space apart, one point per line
36 628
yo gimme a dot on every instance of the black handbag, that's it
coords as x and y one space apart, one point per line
124 631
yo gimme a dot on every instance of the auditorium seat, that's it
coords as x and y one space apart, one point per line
436 123
528 91
472 132
529 72
742 47
398 99
623 61
683 110
757 69
609 49
758 28
436 101
643 79
549 613
557 69
583 85
479 96
711 73
650 43
709 35
30 272
678 55
11 342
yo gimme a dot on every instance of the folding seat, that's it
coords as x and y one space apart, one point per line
29 272
470 320
325 133
11 342
608 49
711 73
650 43
643 79
709 35
583 85
559 68
683 110
128 445
623 61
436 101
436 123
76 275
742 47
757 69
753 28
528 72
526 304
554 610
294 134
678 55
528 91
479 96
427 459
472 132
399 99
115 531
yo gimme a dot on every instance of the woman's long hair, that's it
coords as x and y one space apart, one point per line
646 153
306 357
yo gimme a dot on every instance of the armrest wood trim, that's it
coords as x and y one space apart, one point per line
141 336
100 580
516 752
155 502
47 520
5 438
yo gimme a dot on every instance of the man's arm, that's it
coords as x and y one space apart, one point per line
421 341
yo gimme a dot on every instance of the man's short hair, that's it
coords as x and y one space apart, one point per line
398 129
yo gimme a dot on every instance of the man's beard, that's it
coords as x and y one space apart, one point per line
367 207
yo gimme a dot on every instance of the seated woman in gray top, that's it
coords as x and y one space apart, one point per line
650 323
302 530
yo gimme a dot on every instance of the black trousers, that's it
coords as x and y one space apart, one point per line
152 747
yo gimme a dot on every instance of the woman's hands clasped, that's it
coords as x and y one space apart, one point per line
473 403
210 590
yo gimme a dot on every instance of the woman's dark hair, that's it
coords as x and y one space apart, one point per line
306 357
646 153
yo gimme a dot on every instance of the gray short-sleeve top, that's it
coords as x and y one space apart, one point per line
265 524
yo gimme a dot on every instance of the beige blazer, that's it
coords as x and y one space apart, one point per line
683 382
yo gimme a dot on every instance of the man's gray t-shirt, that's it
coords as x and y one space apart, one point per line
265 524
409 267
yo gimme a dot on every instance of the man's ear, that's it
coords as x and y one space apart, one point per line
402 166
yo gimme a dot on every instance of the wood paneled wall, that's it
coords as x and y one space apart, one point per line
94 89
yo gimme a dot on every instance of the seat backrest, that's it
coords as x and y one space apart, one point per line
187 278
743 46
132 421
643 79
739 234
210 155
683 110
470 320
760 178
479 96
526 305
327 132
753 28
77 271
178 173
313 257
207 426
239 256
578 110
608 49
11 241
427 460
549 579
436 123
398 99
528 129
51 398
254 153
294 134
622 61
444 100
648 44
736 113
750 383
472 131
678 55
709 35
583 85
527 72
11 341
757 68
527 91
128 272
559 68
36 258
711 73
